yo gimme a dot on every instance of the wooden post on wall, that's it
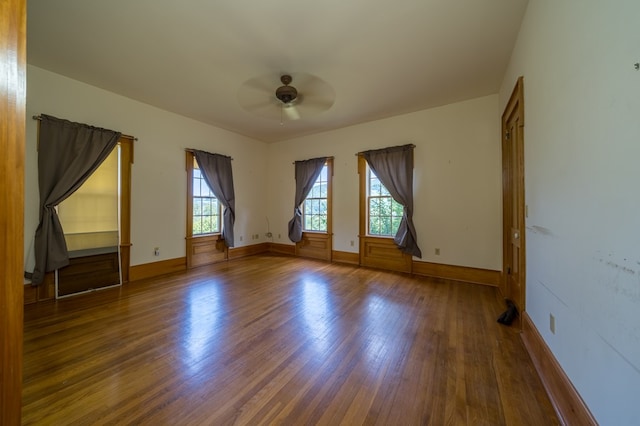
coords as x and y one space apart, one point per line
12 131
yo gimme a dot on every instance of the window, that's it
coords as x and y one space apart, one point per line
89 216
205 207
384 213
205 227
315 206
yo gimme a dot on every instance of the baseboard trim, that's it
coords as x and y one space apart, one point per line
287 249
238 252
566 400
345 257
155 269
457 273
436 270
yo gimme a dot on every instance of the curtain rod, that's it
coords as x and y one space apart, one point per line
191 151
328 158
39 118
399 146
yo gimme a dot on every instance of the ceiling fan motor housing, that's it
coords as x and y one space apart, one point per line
286 93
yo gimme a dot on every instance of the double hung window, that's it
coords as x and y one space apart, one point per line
383 212
315 207
205 215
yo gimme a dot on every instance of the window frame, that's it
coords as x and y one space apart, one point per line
376 251
191 166
201 249
319 244
329 173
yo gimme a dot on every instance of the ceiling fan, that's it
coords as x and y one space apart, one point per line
261 96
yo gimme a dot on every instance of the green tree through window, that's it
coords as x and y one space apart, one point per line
384 212
206 208
315 206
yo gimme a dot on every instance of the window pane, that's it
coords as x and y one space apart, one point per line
206 208
197 225
315 206
323 206
385 226
397 209
323 191
385 213
374 187
374 207
385 206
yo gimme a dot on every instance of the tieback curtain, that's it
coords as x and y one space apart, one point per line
306 173
217 173
68 154
394 168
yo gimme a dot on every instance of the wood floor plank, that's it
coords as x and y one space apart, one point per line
271 339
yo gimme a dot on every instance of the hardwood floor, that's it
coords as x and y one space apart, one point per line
279 340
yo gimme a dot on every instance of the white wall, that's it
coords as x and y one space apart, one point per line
457 179
158 214
582 145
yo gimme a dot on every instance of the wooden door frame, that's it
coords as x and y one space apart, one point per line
126 161
514 105
13 82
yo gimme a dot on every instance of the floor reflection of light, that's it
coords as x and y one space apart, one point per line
315 308
382 321
200 327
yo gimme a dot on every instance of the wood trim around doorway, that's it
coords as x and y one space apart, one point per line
514 107
13 83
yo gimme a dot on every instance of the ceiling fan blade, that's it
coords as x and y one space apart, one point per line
259 106
258 96
262 83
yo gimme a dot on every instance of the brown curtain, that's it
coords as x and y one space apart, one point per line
68 154
217 173
394 168
306 172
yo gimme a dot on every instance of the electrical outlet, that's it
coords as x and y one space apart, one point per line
552 323
156 251
437 252
278 236
351 242
240 237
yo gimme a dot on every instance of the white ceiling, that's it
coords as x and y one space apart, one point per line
191 57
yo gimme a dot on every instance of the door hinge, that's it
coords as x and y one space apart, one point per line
508 270
507 135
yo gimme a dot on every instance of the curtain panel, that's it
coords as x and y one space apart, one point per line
68 154
306 173
217 173
394 168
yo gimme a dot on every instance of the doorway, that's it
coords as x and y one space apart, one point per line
513 285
